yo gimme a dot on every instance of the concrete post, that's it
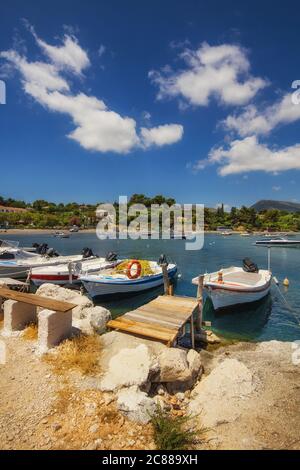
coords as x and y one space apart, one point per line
1 309
53 328
17 315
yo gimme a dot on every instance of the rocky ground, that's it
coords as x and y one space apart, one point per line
248 396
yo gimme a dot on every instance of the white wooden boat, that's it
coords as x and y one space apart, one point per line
108 283
234 286
280 241
18 262
62 274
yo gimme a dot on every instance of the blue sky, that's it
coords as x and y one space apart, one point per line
189 99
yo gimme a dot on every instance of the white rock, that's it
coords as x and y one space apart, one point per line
98 318
161 390
83 325
180 396
173 366
136 405
68 295
194 362
128 367
217 397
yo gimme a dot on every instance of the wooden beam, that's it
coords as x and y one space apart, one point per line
200 303
144 329
39 301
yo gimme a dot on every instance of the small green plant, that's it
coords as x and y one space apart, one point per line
172 432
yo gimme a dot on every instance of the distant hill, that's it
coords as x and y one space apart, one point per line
265 204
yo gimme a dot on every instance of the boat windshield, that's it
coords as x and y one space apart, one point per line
9 244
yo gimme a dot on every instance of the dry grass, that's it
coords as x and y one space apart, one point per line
31 332
80 353
63 398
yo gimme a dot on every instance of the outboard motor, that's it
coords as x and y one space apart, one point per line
36 246
42 249
162 260
111 256
249 266
51 252
87 253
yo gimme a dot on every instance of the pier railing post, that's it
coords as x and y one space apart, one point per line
166 278
200 303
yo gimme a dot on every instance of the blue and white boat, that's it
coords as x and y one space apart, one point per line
109 283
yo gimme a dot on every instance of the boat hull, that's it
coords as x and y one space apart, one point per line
13 271
224 298
110 289
280 243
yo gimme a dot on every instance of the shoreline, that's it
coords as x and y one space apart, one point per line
38 231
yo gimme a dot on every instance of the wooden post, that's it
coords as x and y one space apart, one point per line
200 303
164 268
70 269
192 332
171 289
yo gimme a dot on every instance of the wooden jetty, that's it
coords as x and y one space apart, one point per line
162 319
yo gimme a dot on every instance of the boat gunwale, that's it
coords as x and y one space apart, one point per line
114 281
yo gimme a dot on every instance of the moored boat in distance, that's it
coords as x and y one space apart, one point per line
130 277
234 286
61 235
278 241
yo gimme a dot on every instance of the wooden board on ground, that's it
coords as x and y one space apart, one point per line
38 300
161 319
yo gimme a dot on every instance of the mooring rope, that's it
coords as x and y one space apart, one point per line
286 302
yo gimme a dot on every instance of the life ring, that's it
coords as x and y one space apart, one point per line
137 274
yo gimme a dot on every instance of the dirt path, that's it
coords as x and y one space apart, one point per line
42 410
270 417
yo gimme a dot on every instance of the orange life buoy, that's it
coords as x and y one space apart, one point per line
138 265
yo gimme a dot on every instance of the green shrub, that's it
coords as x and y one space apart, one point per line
172 432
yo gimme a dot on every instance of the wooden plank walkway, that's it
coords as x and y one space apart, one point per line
162 319
38 300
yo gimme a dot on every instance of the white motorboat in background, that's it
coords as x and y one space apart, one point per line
234 286
62 274
61 235
16 263
112 282
278 241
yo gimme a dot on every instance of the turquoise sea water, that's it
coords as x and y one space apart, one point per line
270 319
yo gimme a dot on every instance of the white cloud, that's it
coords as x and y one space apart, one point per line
253 121
250 155
69 55
276 188
161 135
40 74
211 71
101 50
97 127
